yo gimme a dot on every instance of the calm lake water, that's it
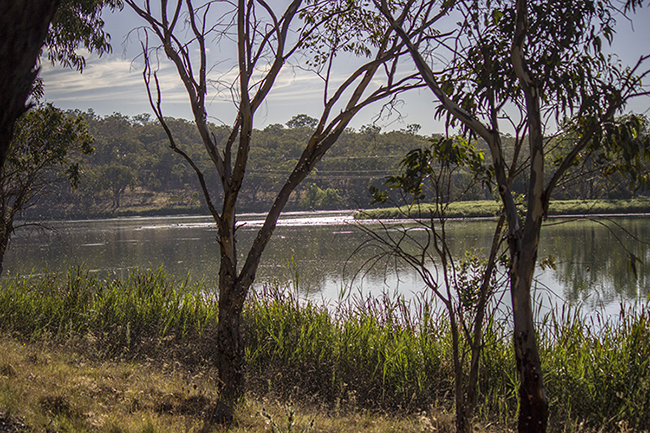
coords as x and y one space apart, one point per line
317 250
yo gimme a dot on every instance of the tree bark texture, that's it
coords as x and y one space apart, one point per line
230 359
23 27
533 405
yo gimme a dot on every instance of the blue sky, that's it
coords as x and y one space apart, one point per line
114 83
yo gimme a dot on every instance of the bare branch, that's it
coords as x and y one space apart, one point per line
172 142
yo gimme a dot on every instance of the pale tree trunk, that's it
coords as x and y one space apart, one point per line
23 27
533 405
230 157
523 241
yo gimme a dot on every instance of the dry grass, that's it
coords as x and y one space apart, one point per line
134 355
57 389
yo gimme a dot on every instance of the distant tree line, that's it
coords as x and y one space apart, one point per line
133 168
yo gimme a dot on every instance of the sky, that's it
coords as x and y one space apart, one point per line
114 83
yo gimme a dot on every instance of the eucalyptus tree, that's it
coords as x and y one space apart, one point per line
537 68
465 287
264 40
47 149
27 27
302 121
117 178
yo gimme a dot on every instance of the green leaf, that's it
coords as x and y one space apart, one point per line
496 16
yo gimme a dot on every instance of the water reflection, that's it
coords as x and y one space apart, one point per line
594 259
315 251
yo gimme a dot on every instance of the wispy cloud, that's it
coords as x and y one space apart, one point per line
109 77
110 83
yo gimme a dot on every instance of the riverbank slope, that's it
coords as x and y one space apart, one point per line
490 208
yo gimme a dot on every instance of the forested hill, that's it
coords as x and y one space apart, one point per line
133 171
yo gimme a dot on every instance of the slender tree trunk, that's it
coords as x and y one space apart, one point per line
476 341
533 405
116 198
230 359
230 346
464 414
6 229
23 27
4 241
463 425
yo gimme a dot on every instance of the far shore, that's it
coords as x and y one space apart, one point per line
485 209
465 210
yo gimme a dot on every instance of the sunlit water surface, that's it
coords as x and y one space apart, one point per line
319 254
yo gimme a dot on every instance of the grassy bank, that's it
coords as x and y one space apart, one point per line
141 347
488 208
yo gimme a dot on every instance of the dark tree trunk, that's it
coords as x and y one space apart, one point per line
533 405
117 193
230 360
6 228
230 349
4 241
23 27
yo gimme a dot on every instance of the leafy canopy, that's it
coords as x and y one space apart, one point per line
78 23
47 139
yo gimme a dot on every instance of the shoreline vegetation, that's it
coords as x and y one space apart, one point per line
82 353
132 172
489 209
463 209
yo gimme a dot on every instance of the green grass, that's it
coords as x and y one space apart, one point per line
376 355
489 208
134 314
599 370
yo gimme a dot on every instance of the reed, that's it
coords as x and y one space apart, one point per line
598 369
380 354
147 307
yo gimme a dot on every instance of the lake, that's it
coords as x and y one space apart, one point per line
316 251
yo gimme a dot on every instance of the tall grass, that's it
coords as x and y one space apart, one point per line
599 370
380 353
146 307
